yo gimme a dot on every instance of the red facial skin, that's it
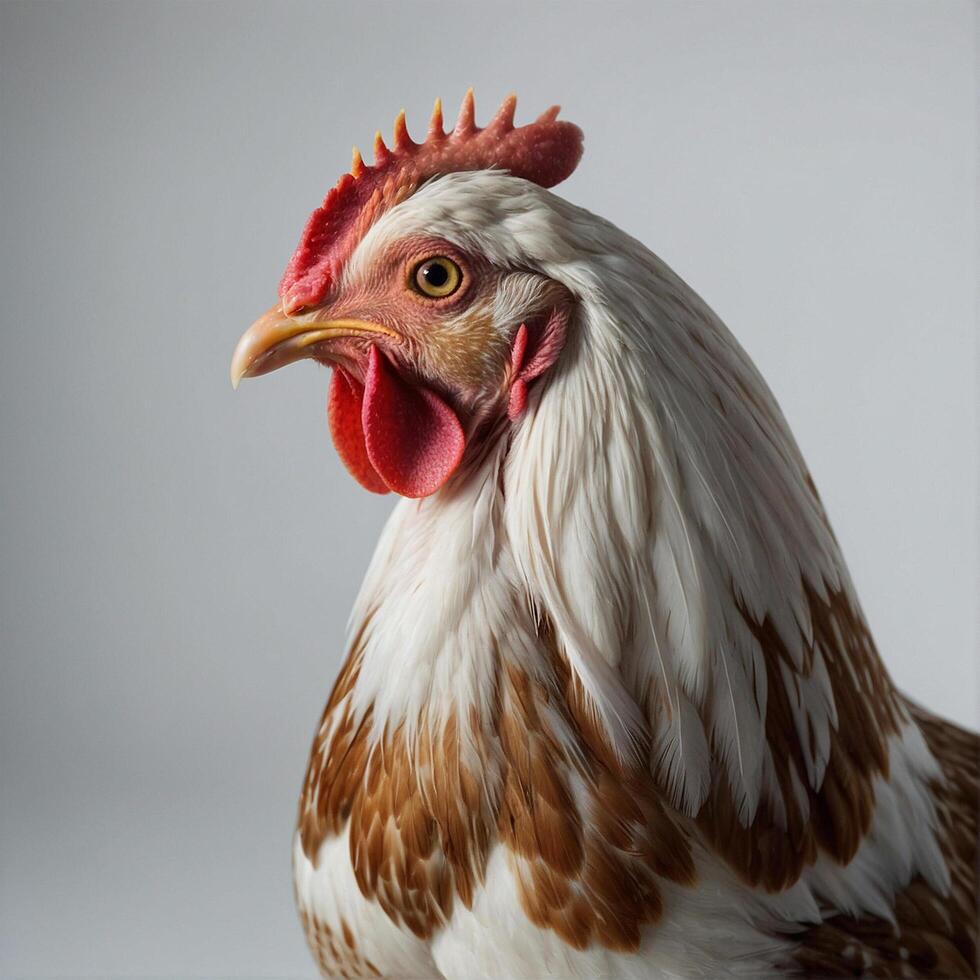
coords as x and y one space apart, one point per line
420 382
448 343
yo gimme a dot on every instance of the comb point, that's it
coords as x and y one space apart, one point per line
356 163
466 122
435 123
549 115
504 118
400 139
381 153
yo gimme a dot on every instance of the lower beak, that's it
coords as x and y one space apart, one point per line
275 340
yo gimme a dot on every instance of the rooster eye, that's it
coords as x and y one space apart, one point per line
437 277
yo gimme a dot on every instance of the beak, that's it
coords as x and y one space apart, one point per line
275 340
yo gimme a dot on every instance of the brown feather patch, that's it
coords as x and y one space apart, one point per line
335 956
587 870
589 836
785 837
337 762
936 935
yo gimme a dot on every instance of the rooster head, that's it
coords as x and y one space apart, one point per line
433 342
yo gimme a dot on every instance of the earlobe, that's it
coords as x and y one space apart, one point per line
518 387
532 355
518 400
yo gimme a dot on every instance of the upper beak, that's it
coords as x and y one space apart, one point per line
275 340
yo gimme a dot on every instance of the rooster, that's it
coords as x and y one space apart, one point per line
610 706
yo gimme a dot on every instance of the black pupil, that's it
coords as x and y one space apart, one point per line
435 274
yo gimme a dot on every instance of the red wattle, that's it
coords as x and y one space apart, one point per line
344 414
392 435
414 440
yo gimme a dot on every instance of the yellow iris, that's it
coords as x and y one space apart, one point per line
437 277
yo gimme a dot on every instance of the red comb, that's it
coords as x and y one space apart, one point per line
545 152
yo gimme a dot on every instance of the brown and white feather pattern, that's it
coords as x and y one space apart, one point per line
611 706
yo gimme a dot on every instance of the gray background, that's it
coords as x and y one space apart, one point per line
178 560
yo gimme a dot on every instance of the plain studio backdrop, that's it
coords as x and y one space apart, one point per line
179 559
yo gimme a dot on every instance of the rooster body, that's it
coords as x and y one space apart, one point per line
610 705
